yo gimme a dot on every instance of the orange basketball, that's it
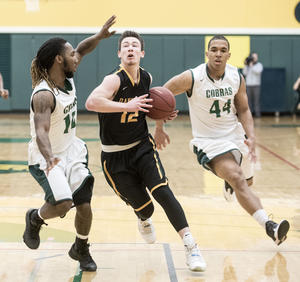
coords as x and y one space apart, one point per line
163 103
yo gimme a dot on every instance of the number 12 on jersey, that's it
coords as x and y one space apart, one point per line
69 121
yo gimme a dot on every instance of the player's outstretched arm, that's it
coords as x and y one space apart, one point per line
89 44
180 83
101 98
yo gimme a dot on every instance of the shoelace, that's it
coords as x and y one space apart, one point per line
195 252
84 250
37 226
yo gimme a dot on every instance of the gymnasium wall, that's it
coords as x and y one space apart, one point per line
175 39
154 13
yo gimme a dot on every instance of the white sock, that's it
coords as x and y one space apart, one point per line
188 239
83 237
39 214
261 217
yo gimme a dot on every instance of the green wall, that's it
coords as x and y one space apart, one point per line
166 55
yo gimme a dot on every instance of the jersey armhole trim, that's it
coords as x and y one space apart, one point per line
240 76
52 110
190 92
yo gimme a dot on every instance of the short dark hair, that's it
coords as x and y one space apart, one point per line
130 33
219 37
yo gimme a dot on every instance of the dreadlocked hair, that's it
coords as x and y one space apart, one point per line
44 60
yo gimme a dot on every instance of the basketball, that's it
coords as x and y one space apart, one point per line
163 103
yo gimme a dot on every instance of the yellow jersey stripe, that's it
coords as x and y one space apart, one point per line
158 185
156 160
110 179
143 206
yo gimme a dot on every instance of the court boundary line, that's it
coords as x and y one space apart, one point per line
170 263
277 156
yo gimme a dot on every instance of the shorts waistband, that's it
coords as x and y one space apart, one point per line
117 148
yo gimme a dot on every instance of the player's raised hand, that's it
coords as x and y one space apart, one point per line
104 32
139 103
51 163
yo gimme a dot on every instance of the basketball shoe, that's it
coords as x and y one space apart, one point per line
80 252
147 230
194 259
31 236
277 231
228 192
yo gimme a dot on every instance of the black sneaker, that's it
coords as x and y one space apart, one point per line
82 255
31 235
277 231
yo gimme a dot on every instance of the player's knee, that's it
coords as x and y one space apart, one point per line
63 207
146 212
84 194
236 178
163 195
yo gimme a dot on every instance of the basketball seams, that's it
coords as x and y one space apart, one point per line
163 103
166 102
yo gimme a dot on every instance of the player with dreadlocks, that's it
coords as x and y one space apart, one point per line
57 158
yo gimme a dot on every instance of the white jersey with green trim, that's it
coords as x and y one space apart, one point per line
63 118
211 102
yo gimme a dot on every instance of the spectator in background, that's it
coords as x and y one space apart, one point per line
252 72
3 92
296 87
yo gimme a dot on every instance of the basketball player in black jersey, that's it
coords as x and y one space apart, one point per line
129 157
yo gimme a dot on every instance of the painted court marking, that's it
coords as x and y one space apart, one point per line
277 156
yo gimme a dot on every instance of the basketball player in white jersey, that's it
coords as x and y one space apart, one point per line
222 128
57 158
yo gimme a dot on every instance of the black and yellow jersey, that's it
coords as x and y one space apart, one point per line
126 127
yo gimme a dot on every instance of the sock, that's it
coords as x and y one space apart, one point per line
261 217
39 214
83 237
35 218
188 239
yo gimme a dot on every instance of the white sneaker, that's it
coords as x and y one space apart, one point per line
228 192
194 259
147 230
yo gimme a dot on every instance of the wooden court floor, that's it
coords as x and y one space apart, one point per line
235 247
